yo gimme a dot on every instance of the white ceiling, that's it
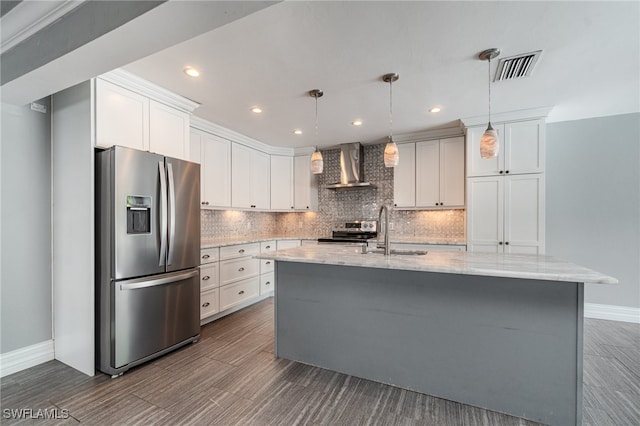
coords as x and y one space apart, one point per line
590 65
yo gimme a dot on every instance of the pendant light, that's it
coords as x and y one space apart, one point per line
391 155
317 162
489 143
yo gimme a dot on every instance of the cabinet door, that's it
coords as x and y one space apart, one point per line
240 176
524 214
452 172
428 173
485 214
476 165
281 182
305 185
122 117
216 171
260 180
195 155
169 131
524 147
404 176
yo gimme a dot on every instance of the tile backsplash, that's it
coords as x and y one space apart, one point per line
339 206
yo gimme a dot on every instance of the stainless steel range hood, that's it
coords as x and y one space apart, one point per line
351 168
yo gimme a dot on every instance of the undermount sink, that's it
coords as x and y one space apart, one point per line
399 252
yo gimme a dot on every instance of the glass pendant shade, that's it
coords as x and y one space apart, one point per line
489 143
391 156
317 162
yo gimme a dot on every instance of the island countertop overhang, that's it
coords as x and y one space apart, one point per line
523 266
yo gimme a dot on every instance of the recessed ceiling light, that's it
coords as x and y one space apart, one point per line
357 122
297 131
435 109
192 72
256 109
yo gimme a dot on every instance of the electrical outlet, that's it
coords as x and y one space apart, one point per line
390 226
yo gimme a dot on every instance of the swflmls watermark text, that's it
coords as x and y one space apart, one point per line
30 413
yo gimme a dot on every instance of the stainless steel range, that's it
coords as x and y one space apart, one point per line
358 231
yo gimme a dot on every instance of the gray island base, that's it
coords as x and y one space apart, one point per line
507 344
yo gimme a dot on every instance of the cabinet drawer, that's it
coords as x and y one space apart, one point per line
237 269
267 246
285 244
267 283
209 303
209 255
230 252
236 293
209 276
266 265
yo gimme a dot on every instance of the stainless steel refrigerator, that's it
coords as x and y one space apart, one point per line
147 256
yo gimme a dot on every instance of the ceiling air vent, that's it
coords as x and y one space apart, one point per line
517 66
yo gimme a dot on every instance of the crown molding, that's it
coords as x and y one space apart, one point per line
138 84
523 114
29 17
307 150
223 132
447 132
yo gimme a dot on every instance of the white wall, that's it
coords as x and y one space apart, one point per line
25 285
593 202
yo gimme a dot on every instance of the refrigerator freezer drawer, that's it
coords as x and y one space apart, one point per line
153 314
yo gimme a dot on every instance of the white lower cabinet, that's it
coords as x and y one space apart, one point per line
239 292
505 214
209 303
267 283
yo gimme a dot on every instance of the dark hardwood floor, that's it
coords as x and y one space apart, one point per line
230 377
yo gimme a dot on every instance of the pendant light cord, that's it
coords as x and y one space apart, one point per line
316 96
489 80
390 111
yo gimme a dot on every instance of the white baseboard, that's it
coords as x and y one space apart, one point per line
23 358
612 312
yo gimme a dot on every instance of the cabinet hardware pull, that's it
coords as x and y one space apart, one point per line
205 278
307 206
501 171
207 203
506 243
507 171
500 243
206 256
204 305
291 206
241 269
241 251
203 203
267 283
241 292
268 262
267 247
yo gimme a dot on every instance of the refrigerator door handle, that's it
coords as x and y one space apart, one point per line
163 214
139 283
172 213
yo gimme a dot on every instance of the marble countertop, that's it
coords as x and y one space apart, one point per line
451 262
229 241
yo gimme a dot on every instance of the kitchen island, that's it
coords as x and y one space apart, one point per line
498 331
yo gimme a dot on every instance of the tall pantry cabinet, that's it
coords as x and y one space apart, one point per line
505 195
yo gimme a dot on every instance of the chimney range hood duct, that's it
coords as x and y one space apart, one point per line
351 168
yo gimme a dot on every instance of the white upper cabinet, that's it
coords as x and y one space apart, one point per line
214 155
430 174
305 184
404 176
522 145
130 118
505 214
122 117
281 182
250 178
452 177
169 131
